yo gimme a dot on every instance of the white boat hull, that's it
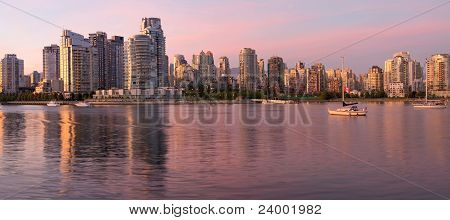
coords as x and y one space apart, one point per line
82 105
270 102
53 104
430 106
347 113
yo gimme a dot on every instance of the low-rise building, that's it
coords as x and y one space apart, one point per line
157 93
396 90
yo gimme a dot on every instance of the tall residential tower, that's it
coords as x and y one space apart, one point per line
248 66
140 63
77 63
438 74
152 27
11 71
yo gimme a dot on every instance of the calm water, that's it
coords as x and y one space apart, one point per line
209 152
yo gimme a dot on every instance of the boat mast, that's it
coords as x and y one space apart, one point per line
342 80
426 90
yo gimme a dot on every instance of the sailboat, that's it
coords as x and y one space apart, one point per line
348 109
430 104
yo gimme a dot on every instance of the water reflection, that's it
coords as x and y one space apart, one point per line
140 152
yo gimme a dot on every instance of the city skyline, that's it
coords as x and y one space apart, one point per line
188 33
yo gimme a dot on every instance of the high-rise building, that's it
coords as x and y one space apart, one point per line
224 73
375 79
140 63
50 56
438 74
35 78
333 82
348 78
415 76
331 73
262 81
402 69
316 78
186 75
275 73
178 74
294 81
11 71
152 27
261 70
204 63
363 82
25 81
77 63
334 85
302 70
248 69
99 41
116 66
224 67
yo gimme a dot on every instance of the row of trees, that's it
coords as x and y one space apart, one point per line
30 96
202 92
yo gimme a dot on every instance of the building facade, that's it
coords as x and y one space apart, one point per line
402 69
51 63
178 72
116 66
224 73
375 79
77 63
438 76
11 71
316 79
396 90
276 75
153 28
204 64
99 42
35 78
248 69
141 67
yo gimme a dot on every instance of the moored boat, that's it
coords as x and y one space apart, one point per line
348 109
274 101
430 104
82 104
53 104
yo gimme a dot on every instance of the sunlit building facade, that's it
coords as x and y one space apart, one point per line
35 78
316 79
248 69
77 63
375 81
438 76
224 73
276 74
11 71
178 71
153 28
50 62
140 63
402 69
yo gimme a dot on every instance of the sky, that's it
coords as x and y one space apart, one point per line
305 30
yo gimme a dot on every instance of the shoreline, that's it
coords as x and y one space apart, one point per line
191 102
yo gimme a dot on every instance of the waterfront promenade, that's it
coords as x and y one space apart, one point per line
210 101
